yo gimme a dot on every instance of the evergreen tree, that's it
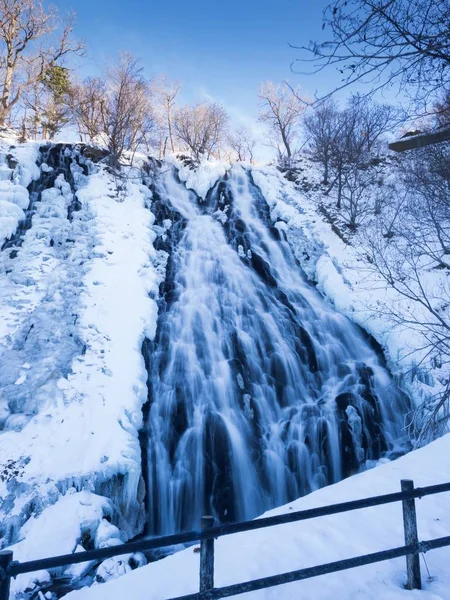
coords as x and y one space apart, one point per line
55 113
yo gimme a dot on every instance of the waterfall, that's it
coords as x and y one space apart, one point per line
259 392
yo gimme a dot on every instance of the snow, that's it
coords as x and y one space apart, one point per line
10 215
284 548
87 512
76 304
27 170
14 196
204 177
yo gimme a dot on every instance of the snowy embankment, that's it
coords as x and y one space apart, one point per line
17 170
284 548
203 178
76 306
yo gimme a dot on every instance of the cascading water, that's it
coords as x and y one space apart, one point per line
259 392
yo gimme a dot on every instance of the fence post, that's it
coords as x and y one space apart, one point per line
206 557
6 557
413 581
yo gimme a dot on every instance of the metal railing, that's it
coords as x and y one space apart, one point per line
208 533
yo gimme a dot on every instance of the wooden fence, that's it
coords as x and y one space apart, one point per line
208 533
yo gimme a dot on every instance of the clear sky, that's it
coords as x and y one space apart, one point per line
221 49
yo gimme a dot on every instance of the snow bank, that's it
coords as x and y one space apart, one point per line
76 306
17 169
26 155
10 216
270 551
87 512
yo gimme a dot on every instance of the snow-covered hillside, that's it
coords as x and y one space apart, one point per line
80 279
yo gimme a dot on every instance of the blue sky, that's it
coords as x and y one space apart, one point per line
219 49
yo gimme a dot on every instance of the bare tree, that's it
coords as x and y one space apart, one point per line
88 103
348 149
350 138
322 128
281 109
119 107
441 110
242 144
384 42
129 112
165 93
426 175
202 128
23 60
372 120
404 268
411 244
359 191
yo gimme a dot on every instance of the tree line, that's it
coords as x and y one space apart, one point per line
41 94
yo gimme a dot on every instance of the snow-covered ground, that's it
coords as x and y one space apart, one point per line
270 551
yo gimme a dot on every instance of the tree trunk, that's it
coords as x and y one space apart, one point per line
286 143
339 198
23 135
3 117
169 125
7 86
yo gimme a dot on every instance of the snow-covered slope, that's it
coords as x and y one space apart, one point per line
75 306
284 548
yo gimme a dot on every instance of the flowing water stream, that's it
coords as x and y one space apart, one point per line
259 392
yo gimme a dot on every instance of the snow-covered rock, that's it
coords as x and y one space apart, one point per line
202 178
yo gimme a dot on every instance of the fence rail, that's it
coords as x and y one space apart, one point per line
208 533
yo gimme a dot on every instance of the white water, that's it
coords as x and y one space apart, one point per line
259 391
